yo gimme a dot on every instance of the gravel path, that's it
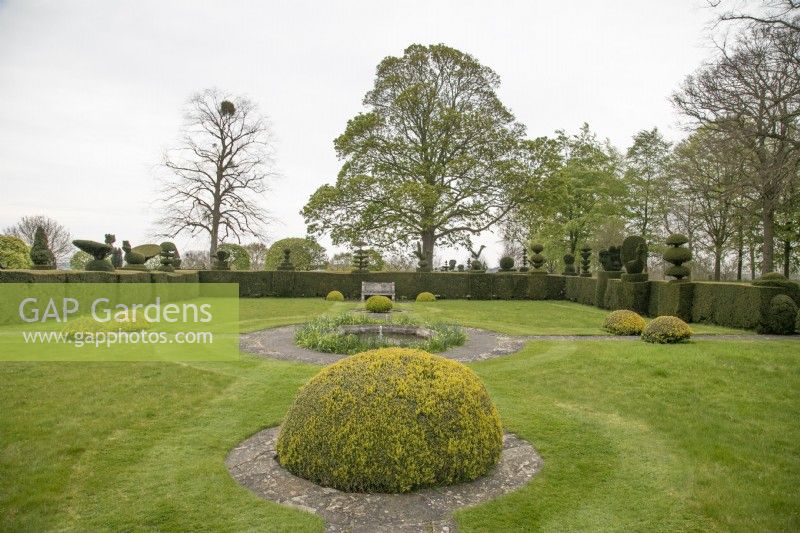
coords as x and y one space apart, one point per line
278 343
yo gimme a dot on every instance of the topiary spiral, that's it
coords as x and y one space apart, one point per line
677 255
391 420
378 304
624 322
666 330
335 296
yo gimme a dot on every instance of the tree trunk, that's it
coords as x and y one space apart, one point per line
428 241
752 262
768 247
787 254
717 262
739 255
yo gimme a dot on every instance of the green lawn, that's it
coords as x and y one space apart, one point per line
702 436
530 317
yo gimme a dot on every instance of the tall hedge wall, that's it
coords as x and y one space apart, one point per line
671 298
627 295
735 305
448 285
581 290
728 304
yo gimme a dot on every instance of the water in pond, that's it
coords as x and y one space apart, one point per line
395 339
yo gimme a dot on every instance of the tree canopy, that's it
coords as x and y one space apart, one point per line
437 157
306 254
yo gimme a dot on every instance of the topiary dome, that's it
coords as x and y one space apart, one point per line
666 330
624 322
378 304
335 296
426 297
677 239
391 420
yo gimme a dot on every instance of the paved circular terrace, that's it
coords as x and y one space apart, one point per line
278 343
252 463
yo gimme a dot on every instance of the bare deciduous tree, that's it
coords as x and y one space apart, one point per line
777 13
218 172
751 93
58 237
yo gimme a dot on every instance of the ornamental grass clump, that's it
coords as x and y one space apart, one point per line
378 304
335 296
624 322
324 334
666 330
426 297
391 420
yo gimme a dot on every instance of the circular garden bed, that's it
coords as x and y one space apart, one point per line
350 333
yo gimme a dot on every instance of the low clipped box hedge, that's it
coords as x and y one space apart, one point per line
624 322
335 296
426 297
378 304
391 420
666 330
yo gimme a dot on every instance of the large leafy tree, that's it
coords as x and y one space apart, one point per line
582 194
437 157
305 254
708 170
645 177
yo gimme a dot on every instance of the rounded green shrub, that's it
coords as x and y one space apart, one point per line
624 322
335 296
378 304
391 420
776 279
426 297
666 330
14 253
781 316
506 263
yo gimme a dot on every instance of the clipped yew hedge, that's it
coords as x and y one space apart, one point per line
739 305
736 305
581 290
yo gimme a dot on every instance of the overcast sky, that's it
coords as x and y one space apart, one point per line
92 92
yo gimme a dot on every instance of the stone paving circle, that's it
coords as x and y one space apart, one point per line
253 464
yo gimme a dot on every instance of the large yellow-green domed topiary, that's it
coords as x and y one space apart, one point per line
335 296
426 297
624 322
391 420
666 330
378 304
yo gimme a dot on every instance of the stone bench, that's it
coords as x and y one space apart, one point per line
381 288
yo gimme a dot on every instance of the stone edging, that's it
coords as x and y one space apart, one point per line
252 463
278 343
